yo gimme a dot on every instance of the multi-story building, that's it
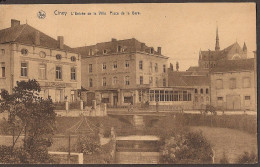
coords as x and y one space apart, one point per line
233 85
120 72
26 53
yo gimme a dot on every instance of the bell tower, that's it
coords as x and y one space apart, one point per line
217 48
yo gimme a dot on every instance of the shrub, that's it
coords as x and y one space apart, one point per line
224 159
191 147
247 158
19 155
88 144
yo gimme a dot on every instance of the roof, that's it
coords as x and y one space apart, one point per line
186 79
129 45
218 55
24 34
234 65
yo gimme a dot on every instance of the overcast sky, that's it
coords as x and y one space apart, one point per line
180 29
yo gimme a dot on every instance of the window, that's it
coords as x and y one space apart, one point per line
141 80
24 52
156 81
156 67
246 82
2 52
152 51
104 81
73 73
175 96
104 66
119 49
72 95
151 81
151 67
141 65
90 82
114 80
185 96
42 71
58 72
164 82
58 57
207 91
161 95
115 65
127 99
201 91
219 84
127 82
164 68
232 83
90 68
104 51
126 63
73 58
42 54
2 69
24 69
90 52
196 90
220 98
247 97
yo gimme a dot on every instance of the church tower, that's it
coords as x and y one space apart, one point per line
217 48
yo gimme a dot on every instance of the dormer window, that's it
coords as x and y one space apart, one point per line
24 52
58 56
73 58
119 49
104 51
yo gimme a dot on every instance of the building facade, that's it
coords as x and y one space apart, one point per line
233 85
120 72
195 83
27 53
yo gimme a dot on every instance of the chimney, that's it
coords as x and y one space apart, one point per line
61 42
159 50
37 38
15 22
142 46
113 40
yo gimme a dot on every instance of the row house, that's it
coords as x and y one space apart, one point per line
26 53
233 85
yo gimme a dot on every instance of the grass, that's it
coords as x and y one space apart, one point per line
232 142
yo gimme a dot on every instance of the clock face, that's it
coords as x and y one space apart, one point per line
236 56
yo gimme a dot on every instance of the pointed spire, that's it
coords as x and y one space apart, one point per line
245 47
217 48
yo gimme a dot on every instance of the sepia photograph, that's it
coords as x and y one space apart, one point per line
128 83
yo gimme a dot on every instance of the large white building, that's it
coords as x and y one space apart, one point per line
26 53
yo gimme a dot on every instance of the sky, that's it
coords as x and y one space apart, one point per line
180 29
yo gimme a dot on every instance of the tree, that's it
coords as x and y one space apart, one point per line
36 115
